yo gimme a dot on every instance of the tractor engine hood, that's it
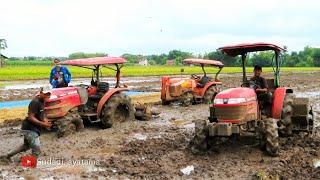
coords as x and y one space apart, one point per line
60 92
61 101
238 95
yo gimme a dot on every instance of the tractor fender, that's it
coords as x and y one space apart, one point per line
207 86
106 97
164 81
278 98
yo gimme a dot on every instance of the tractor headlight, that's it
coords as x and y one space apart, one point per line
53 97
218 101
230 101
236 100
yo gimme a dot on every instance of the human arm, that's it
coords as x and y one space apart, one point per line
69 75
262 90
264 86
51 76
45 123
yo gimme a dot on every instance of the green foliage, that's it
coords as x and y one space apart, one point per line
79 55
17 63
316 57
133 59
158 59
178 56
263 59
226 60
42 72
308 57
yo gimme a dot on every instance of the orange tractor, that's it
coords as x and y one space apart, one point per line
97 102
192 90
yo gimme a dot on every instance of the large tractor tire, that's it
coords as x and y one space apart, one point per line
311 122
187 99
199 143
209 95
117 109
69 124
271 137
286 115
165 102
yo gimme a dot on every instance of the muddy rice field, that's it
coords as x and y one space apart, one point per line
158 149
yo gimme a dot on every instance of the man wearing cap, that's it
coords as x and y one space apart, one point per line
32 125
59 76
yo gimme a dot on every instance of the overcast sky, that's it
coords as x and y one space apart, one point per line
61 27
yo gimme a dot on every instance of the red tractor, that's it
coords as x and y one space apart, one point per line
238 112
97 102
194 89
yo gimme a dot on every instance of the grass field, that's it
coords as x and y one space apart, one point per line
42 72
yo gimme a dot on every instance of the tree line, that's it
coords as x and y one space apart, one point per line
308 57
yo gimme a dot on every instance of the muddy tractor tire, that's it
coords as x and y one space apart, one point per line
311 122
165 102
117 109
187 99
286 115
270 137
209 95
69 124
199 143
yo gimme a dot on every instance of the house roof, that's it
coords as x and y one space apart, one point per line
3 56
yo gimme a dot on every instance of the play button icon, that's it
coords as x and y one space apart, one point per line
29 161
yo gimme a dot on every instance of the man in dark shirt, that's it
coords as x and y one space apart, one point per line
31 126
262 86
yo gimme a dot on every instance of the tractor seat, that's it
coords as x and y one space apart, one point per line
203 81
271 86
102 88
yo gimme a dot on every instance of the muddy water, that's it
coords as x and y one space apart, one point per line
22 90
158 149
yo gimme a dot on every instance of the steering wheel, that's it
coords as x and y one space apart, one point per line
250 84
194 76
84 85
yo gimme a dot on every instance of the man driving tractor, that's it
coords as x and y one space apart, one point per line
261 85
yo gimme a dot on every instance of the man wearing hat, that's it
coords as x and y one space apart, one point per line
59 76
32 125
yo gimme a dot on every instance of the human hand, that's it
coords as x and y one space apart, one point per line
47 124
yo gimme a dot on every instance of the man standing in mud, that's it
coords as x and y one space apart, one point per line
59 76
32 126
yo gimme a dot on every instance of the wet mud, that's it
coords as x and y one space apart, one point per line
158 149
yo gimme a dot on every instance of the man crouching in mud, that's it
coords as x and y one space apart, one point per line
32 125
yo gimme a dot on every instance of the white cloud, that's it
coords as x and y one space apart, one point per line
61 27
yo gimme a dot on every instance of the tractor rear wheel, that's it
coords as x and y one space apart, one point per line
187 99
200 139
271 137
210 94
117 109
286 115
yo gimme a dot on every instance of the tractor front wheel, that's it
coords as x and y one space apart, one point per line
117 109
187 99
270 137
210 94
286 115
200 139
69 124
